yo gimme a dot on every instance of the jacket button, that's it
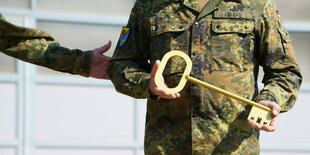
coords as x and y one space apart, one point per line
218 26
246 26
196 24
195 53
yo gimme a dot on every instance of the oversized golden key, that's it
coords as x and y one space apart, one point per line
259 113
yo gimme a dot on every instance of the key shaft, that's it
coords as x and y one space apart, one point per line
227 93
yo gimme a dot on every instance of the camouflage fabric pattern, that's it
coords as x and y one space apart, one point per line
38 47
227 41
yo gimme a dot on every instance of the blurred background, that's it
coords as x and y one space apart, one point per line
43 112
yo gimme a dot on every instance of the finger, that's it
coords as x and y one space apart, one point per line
165 94
105 47
272 126
172 95
268 128
155 68
255 125
177 95
275 108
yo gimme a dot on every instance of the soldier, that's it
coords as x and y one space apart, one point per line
227 41
38 47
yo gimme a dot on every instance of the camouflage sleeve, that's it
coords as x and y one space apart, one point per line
282 77
38 47
129 69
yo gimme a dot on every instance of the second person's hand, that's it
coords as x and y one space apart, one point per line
100 62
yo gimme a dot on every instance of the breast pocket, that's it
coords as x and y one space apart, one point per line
231 44
168 35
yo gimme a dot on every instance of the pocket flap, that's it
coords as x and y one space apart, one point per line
161 28
284 34
233 26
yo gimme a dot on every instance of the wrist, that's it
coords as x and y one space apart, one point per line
86 63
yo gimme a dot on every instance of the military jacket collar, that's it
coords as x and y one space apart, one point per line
193 4
210 6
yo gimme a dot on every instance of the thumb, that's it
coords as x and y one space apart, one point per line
155 68
105 48
275 108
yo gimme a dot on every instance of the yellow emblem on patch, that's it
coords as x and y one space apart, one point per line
124 36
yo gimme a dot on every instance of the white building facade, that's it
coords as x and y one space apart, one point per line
43 112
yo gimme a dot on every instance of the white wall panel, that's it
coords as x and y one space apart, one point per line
140 152
297 10
85 120
80 36
65 113
82 152
100 7
7 64
301 45
7 111
141 119
21 4
7 151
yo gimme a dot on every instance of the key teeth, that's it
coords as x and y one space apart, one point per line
259 120
260 116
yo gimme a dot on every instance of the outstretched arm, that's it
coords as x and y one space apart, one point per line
38 47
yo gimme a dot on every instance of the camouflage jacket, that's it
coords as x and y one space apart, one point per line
38 47
227 41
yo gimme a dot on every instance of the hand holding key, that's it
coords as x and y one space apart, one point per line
157 91
274 122
260 116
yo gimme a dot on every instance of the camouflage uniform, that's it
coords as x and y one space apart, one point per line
38 47
227 41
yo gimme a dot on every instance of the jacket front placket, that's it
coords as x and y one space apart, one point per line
200 53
